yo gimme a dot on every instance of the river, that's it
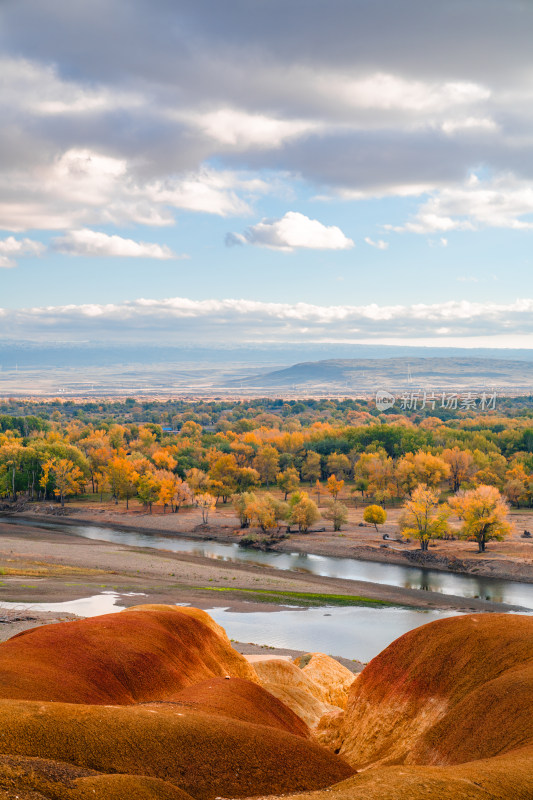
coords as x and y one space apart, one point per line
408 577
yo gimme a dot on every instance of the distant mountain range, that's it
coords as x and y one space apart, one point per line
369 373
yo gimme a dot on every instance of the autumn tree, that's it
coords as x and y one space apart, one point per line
339 464
484 514
11 454
423 518
461 465
164 460
182 494
148 488
337 513
302 511
375 515
197 480
167 488
288 481
206 502
334 486
420 468
517 485
311 468
242 503
246 477
67 477
122 478
266 463
266 511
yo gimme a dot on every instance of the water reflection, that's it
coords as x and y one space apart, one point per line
408 577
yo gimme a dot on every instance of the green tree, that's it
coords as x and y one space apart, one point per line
148 488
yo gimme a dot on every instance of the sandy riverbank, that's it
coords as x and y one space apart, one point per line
52 566
511 559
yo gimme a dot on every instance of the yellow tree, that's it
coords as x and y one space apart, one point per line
148 487
423 518
288 481
339 464
334 486
67 477
420 468
122 478
11 455
163 460
197 480
182 494
266 511
166 488
375 515
302 511
206 502
484 513
223 475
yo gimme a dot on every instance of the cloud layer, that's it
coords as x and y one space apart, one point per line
183 320
358 101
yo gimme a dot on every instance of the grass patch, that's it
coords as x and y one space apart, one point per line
303 598
41 569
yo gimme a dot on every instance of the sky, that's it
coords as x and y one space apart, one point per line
197 171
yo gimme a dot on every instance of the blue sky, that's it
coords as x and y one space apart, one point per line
296 171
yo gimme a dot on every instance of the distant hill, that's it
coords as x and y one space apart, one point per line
370 373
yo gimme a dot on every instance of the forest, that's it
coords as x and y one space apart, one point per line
271 458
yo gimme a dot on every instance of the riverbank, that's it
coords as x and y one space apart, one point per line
53 565
511 559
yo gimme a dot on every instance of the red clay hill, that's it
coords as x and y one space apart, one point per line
444 713
156 694
139 706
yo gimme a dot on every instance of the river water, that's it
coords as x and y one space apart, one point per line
408 577
353 632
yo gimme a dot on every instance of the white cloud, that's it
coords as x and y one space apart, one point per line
230 320
504 201
293 231
11 249
473 125
390 92
38 89
379 244
85 242
87 187
241 130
